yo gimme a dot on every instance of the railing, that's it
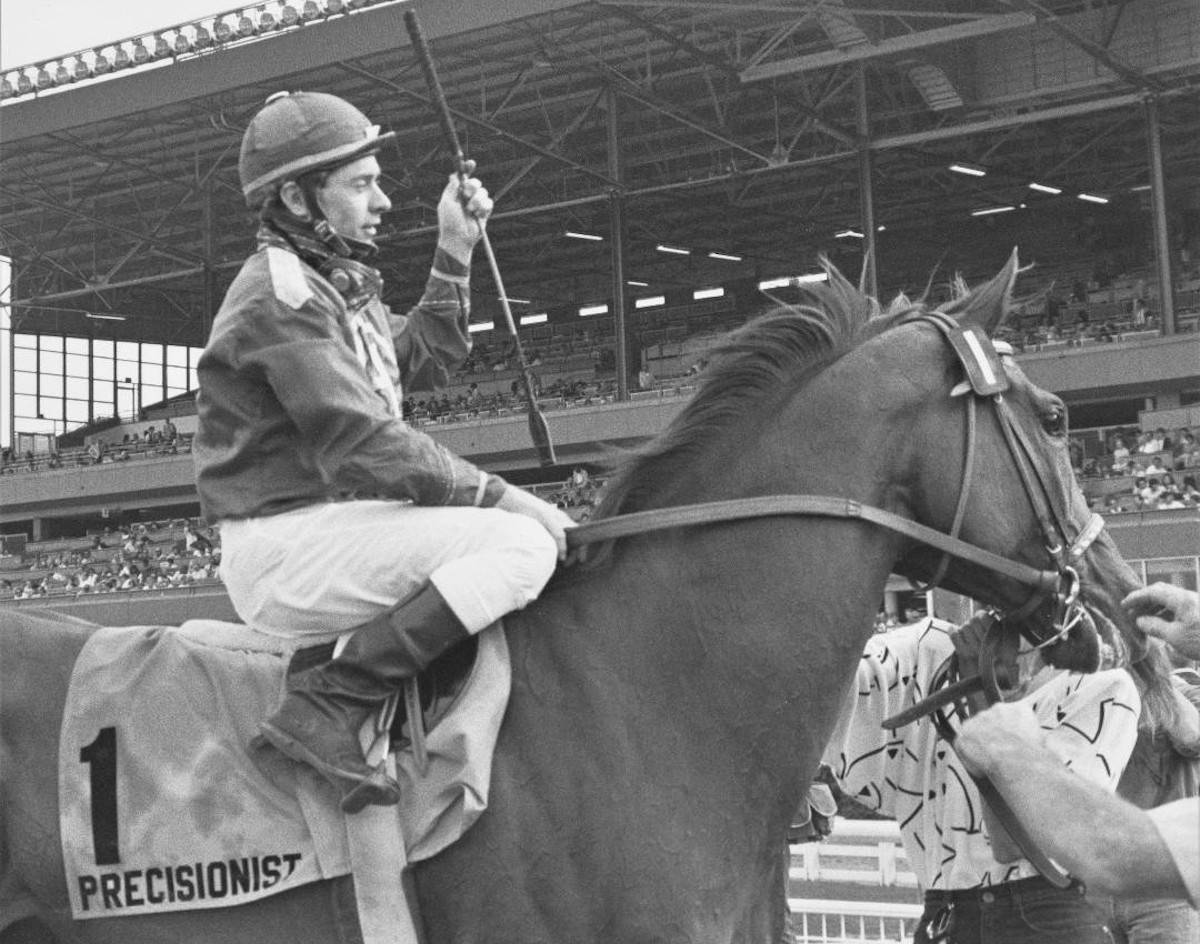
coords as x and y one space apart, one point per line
825 921
864 853
873 843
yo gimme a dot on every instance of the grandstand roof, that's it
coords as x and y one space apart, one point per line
740 124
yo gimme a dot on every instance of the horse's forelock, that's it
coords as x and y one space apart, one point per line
775 352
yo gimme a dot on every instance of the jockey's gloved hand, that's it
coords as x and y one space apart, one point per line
462 213
550 517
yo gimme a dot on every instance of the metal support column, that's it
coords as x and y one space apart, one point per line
866 195
1158 210
210 301
616 209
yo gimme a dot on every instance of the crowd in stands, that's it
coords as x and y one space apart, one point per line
155 556
1141 470
173 554
162 441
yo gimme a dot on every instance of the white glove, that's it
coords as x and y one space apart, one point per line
462 213
550 517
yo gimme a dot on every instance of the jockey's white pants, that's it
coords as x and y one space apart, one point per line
328 568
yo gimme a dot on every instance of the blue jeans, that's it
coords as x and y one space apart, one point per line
1028 911
1154 921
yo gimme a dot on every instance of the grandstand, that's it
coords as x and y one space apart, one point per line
712 154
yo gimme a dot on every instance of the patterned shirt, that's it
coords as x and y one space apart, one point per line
1090 722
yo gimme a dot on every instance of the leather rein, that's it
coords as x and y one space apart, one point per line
987 380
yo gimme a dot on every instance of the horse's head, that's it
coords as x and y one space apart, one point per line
913 419
992 468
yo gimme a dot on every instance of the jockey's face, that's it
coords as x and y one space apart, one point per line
352 200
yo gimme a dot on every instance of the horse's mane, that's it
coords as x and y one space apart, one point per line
767 357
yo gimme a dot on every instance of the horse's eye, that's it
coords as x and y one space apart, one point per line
1054 421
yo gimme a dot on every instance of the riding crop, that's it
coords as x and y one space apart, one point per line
538 429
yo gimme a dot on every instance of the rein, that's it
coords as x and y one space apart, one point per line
820 506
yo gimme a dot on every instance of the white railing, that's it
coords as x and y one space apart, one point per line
874 843
824 921
859 852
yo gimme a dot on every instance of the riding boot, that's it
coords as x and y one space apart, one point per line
320 719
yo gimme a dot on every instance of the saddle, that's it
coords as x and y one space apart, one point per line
163 809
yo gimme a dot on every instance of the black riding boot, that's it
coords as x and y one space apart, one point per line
325 708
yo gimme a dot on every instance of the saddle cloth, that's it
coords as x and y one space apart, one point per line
162 808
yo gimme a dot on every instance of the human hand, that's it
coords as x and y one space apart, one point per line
1007 732
1169 613
462 213
553 519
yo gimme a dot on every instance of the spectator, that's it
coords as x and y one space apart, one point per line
1137 853
197 544
1188 456
969 872
1152 492
1149 443
1120 455
1164 766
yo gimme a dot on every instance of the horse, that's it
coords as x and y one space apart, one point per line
673 691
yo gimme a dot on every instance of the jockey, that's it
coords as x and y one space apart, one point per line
335 515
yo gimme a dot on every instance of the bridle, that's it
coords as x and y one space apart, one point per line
986 382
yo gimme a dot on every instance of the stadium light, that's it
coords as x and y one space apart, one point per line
971 170
481 326
848 234
728 257
540 318
677 250
1093 198
1045 188
990 211
650 301
702 293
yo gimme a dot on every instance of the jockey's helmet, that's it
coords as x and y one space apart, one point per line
298 132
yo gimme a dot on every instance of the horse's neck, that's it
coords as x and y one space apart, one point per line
746 631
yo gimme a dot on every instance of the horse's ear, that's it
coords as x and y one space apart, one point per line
987 305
